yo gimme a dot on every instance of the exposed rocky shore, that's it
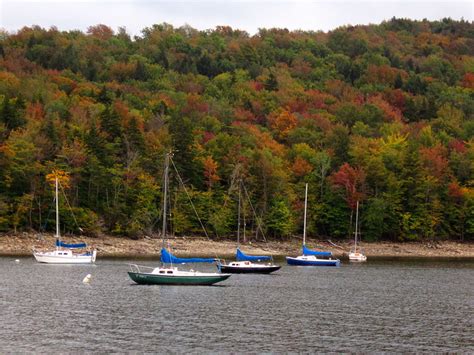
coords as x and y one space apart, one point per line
108 246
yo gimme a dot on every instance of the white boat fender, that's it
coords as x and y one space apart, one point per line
87 279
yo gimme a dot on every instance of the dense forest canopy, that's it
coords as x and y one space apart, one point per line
381 114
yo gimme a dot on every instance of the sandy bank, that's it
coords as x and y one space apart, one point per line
107 246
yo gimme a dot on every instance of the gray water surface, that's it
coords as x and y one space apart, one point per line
396 306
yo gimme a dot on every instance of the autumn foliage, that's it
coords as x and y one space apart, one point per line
381 114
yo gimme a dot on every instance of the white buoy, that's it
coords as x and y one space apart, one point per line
87 279
17 261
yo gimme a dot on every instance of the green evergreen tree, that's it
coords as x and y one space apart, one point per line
11 114
279 221
135 136
398 84
271 84
181 130
110 124
140 71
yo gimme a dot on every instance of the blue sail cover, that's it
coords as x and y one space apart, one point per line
70 246
167 257
242 257
307 251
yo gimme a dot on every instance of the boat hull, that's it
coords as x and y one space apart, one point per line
53 258
357 258
315 262
263 269
191 280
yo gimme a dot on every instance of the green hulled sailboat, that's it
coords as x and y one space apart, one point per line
168 273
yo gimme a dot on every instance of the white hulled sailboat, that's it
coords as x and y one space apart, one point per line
357 255
63 253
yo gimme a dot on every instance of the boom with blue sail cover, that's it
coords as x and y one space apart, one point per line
240 256
167 257
307 251
70 246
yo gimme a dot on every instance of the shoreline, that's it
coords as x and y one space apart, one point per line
22 244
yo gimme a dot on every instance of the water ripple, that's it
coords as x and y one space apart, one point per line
376 307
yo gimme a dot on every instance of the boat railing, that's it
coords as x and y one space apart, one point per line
137 268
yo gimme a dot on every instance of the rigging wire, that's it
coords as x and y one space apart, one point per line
259 226
189 198
70 208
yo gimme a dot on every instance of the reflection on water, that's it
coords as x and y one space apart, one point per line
397 306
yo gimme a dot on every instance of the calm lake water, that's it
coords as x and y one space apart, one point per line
383 305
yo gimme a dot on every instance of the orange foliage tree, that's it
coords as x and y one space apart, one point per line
282 123
210 171
61 175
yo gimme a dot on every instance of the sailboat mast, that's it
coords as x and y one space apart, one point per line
238 217
244 222
165 193
356 226
305 207
57 212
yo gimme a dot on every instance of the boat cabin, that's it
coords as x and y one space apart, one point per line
164 271
240 263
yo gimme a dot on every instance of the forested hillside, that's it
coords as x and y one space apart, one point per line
383 114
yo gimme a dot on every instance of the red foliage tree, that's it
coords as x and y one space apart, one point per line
468 81
391 113
35 111
455 191
100 31
396 98
351 180
242 114
195 103
458 146
301 167
434 160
